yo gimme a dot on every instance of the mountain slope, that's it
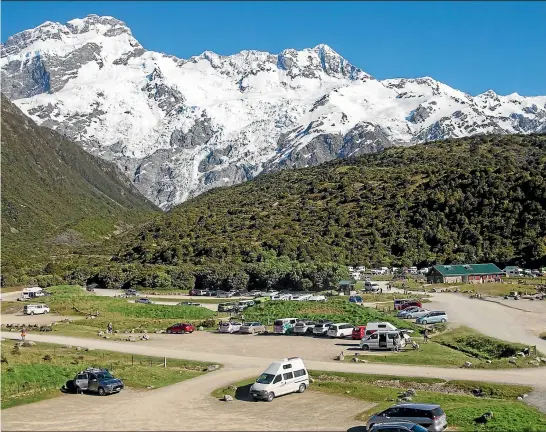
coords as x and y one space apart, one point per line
55 193
475 199
179 127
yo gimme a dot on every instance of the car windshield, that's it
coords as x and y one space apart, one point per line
104 375
265 379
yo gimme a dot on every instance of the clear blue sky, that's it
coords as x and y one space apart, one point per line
472 46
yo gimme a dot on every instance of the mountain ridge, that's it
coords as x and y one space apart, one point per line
178 127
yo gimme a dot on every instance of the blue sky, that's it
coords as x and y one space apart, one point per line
472 46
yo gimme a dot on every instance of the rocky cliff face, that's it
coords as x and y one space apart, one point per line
179 127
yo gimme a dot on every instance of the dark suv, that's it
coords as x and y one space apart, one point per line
429 416
98 381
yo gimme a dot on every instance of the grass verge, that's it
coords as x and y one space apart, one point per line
455 397
38 372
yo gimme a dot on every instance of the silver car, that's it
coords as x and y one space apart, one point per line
429 416
420 312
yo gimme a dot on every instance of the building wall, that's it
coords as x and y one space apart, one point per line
453 279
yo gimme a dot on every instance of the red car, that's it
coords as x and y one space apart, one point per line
358 332
410 304
181 328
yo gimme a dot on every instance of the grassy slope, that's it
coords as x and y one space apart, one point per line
27 377
460 407
474 199
55 193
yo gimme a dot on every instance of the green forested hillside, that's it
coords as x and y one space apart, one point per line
475 199
55 194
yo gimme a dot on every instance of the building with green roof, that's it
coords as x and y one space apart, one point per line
464 273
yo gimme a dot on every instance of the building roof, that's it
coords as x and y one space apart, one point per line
467 269
511 268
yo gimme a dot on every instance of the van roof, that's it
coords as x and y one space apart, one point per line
274 367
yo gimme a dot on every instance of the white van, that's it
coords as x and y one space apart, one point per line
378 326
284 325
282 297
302 297
35 309
371 286
286 376
317 298
340 330
383 340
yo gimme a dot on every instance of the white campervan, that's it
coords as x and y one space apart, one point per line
286 376
30 293
35 309
378 326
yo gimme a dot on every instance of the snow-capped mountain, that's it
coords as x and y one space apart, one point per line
179 127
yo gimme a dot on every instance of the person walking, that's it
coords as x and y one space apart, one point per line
425 335
23 333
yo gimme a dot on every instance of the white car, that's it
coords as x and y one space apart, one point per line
317 298
35 309
286 376
340 330
230 327
403 313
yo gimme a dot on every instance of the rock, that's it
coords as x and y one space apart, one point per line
150 387
67 346
78 348
488 361
311 380
213 367
406 398
534 363
29 344
356 360
201 328
145 337
512 361
411 392
116 331
89 349
232 387
100 334
357 354
227 398
519 398
347 391
144 331
524 395
520 354
158 331
106 337
364 361
467 364
132 330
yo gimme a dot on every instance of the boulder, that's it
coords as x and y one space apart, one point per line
524 395
29 344
100 334
212 367
411 392
364 361
512 361
150 387
145 337
131 339
67 346
232 387
356 360
201 328
467 364
520 354
519 398
227 398
488 361
311 380
78 348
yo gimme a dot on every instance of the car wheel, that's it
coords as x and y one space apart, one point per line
169 331
101 391
409 317
302 388
270 396
365 347
32 312
443 320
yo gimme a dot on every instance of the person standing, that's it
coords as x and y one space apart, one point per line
110 327
23 333
425 335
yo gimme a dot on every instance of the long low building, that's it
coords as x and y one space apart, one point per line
464 273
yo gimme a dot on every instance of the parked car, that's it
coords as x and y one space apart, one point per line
317 298
356 299
384 340
181 328
99 381
432 317
243 304
286 376
284 297
371 286
340 330
252 328
212 293
90 288
404 312
302 297
35 309
189 304
410 303
255 293
143 300
284 325
304 327
320 329
226 307
398 427
430 416
358 332
230 327
131 293
225 294
417 313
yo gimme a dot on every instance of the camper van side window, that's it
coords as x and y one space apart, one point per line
288 376
287 366
299 373
382 326
277 379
